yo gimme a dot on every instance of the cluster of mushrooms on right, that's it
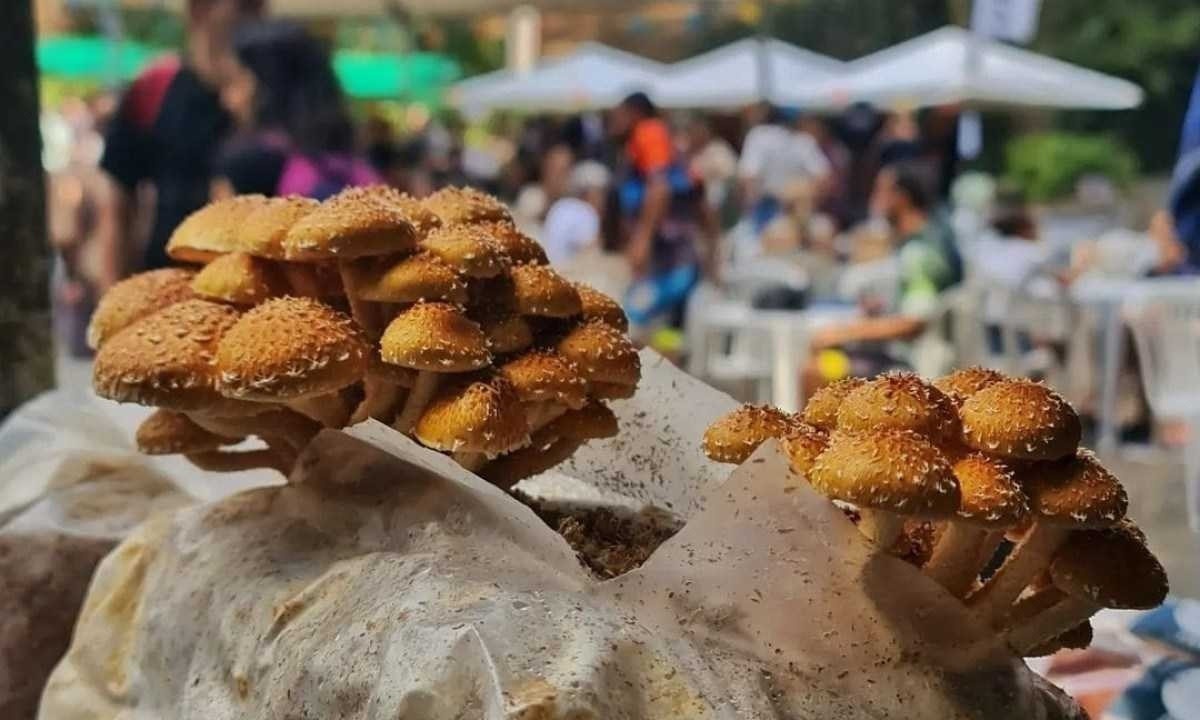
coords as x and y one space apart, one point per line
963 473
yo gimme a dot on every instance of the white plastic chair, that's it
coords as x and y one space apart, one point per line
1164 317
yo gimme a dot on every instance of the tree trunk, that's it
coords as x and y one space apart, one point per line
26 346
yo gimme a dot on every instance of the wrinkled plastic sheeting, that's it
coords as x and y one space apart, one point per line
386 582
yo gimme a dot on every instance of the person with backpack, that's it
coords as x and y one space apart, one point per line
294 134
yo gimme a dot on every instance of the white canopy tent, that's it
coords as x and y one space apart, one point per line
593 76
741 73
952 65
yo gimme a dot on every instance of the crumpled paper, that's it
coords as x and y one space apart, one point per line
386 582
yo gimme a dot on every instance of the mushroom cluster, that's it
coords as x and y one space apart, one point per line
956 475
438 317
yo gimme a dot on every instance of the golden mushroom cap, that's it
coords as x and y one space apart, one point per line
475 414
265 228
1020 419
409 279
991 495
1111 567
506 333
290 348
598 306
215 229
357 222
736 435
166 359
240 279
539 290
822 408
167 432
421 217
136 297
435 337
965 382
894 470
517 246
900 401
1077 491
803 444
465 206
469 249
603 354
544 375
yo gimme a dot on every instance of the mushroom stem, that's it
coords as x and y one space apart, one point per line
233 461
1050 623
330 409
955 562
1028 559
300 279
365 313
277 424
540 414
881 527
422 392
380 398
471 462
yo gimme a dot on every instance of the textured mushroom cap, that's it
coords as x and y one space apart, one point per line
736 435
136 297
965 382
539 290
290 348
1077 638
464 205
517 246
991 496
166 359
240 279
598 306
803 444
1020 419
899 401
544 375
213 230
265 228
469 249
592 421
895 470
356 222
478 414
1111 567
603 354
422 218
410 279
507 333
1077 491
822 408
170 433
436 337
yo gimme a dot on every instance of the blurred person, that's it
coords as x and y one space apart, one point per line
1124 253
295 135
166 133
1184 193
929 264
711 159
671 233
834 199
774 154
573 221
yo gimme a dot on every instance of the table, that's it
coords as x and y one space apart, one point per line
788 330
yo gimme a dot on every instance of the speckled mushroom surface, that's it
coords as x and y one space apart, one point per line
545 376
469 249
735 436
455 205
895 470
965 382
136 297
477 414
821 411
213 230
899 401
436 337
1020 419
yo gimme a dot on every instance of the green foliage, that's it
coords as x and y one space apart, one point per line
1047 165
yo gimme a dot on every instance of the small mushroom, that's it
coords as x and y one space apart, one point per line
136 297
992 501
413 278
1020 419
547 383
468 249
552 445
266 227
240 279
540 291
965 382
213 230
1094 569
822 408
167 432
890 475
735 436
1075 493
517 246
476 418
598 306
434 339
605 356
900 401
803 444
296 351
466 206
382 388
506 333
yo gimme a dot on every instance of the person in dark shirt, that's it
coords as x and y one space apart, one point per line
167 132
